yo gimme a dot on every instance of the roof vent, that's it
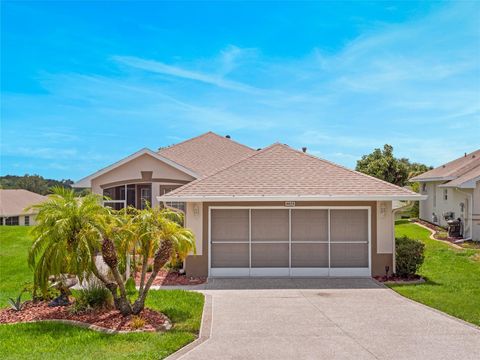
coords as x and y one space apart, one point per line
304 149
443 166
259 149
465 154
228 136
473 156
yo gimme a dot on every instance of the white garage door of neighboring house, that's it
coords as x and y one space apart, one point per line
313 241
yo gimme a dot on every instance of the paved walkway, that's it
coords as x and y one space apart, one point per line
327 319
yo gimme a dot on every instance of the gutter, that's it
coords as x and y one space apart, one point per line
413 197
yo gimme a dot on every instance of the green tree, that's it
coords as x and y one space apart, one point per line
71 232
383 165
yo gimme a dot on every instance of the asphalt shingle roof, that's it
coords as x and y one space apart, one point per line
279 170
207 153
14 201
453 169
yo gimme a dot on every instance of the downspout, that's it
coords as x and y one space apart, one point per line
470 213
407 206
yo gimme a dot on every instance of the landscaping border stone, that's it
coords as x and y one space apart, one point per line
162 328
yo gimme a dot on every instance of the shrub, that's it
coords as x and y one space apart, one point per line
50 294
16 304
95 296
409 256
137 322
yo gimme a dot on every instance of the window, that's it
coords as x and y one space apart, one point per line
145 198
445 194
424 187
27 220
164 189
12 220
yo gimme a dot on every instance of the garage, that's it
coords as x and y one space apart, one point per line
296 241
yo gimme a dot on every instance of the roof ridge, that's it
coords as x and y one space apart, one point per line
203 135
186 186
345 168
471 158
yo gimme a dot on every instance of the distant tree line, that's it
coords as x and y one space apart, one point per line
34 183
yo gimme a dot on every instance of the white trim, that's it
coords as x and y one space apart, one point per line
361 272
249 241
283 271
228 272
291 271
290 242
87 181
438 178
306 272
174 197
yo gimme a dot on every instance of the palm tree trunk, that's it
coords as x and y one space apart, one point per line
144 273
121 302
162 256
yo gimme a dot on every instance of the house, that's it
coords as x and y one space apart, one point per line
453 191
13 203
275 211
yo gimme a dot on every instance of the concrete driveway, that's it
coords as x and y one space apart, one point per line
325 319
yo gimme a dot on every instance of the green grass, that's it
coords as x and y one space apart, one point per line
14 272
57 341
453 276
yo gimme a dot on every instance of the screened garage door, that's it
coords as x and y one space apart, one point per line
289 241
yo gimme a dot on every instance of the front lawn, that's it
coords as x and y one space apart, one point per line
453 276
57 341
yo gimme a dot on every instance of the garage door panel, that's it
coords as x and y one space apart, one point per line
349 255
309 225
348 225
270 225
230 255
229 225
310 255
270 255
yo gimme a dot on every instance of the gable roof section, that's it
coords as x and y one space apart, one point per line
14 201
453 169
282 173
87 181
207 153
466 181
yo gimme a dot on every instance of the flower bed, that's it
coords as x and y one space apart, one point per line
102 319
170 277
415 279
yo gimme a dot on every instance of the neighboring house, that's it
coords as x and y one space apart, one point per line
270 212
13 204
453 190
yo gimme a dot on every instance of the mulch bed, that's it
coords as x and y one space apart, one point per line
394 279
438 229
108 319
169 278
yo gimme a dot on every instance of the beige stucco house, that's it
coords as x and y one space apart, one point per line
275 211
13 203
453 189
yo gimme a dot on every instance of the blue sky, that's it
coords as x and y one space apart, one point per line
84 84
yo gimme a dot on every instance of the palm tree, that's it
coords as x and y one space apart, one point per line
159 234
70 232
67 236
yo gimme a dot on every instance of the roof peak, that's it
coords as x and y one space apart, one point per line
204 135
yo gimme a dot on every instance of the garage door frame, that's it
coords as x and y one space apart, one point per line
289 271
